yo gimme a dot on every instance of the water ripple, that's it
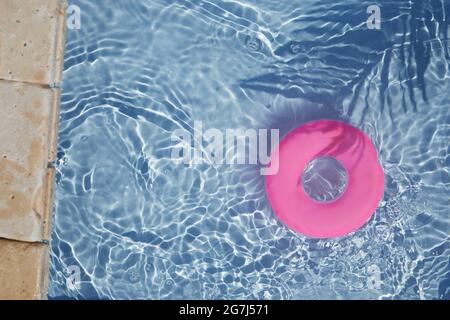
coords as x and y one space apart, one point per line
139 225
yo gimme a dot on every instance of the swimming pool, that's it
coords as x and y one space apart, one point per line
138 225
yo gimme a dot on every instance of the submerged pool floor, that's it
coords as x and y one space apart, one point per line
135 224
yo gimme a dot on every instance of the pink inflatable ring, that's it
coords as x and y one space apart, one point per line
349 210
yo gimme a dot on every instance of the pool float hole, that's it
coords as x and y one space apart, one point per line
324 179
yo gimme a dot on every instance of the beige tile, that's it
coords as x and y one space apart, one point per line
31 33
31 51
23 270
27 139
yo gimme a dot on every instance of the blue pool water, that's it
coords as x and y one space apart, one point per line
138 225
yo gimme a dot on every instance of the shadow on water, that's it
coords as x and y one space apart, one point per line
412 32
401 51
286 117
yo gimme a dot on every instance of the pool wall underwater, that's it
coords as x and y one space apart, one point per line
132 223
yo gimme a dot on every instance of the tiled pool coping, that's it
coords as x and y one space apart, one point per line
31 59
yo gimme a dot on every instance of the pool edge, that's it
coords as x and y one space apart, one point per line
25 238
